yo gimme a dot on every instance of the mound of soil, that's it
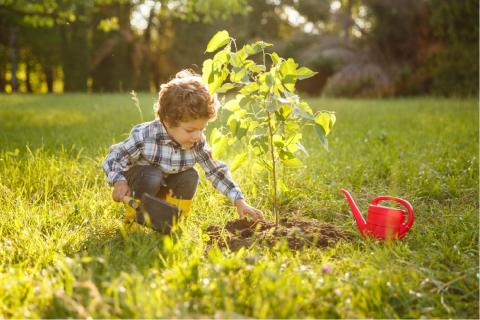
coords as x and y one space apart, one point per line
297 232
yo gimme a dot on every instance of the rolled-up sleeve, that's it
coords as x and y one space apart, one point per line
217 172
122 155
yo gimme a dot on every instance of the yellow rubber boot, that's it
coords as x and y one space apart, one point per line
182 204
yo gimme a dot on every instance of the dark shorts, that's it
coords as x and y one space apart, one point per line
149 179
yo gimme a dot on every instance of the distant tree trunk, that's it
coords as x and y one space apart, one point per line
3 82
144 73
28 79
75 55
348 19
156 76
13 58
48 70
112 69
102 61
123 68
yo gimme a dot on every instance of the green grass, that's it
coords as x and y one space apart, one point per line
64 252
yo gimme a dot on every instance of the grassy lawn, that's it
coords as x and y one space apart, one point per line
64 251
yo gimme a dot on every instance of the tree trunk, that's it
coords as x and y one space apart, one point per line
144 73
75 55
112 69
3 82
348 19
28 71
48 70
13 58
122 62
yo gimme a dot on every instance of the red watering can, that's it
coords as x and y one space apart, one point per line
383 222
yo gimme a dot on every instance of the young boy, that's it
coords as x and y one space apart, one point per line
158 156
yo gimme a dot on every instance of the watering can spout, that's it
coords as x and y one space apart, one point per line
356 212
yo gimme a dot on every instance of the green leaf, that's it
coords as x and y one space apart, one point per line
321 135
232 105
220 39
238 161
225 87
257 68
275 58
259 144
257 47
291 127
293 138
305 73
298 111
212 136
269 79
289 82
285 154
253 125
219 146
238 58
207 71
272 107
288 67
288 74
242 130
284 112
238 75
215 136
306 107
249 88
278 140
293 163
221 57
249 64
245 101
301 147
324 119
233 124
218 79
281 99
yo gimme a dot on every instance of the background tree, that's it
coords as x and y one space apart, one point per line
359 47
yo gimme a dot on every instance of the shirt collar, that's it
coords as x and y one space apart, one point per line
163 136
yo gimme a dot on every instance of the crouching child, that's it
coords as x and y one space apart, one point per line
158 156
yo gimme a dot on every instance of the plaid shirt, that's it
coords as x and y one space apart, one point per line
150 144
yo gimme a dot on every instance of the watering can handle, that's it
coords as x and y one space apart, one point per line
411 216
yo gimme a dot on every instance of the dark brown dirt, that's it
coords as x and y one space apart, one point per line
297 232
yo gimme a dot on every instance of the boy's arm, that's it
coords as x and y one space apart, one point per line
122 155
217 172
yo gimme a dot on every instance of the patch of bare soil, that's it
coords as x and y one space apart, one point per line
297 232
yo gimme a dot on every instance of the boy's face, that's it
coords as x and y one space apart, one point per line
188 132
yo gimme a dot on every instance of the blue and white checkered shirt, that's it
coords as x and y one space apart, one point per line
150 144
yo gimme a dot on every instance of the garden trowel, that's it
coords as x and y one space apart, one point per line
153 212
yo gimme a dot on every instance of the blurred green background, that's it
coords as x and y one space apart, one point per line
360 48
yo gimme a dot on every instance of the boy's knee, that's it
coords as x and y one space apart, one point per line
147 179
190 176
153 177
184 184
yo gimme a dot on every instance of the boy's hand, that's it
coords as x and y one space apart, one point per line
243 209
120 190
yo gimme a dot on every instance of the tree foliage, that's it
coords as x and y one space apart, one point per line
416 47
266 113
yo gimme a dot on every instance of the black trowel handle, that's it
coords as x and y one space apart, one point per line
131 202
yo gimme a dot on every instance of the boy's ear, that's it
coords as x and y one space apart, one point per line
167 124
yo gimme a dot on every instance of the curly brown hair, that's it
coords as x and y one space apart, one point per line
185 98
